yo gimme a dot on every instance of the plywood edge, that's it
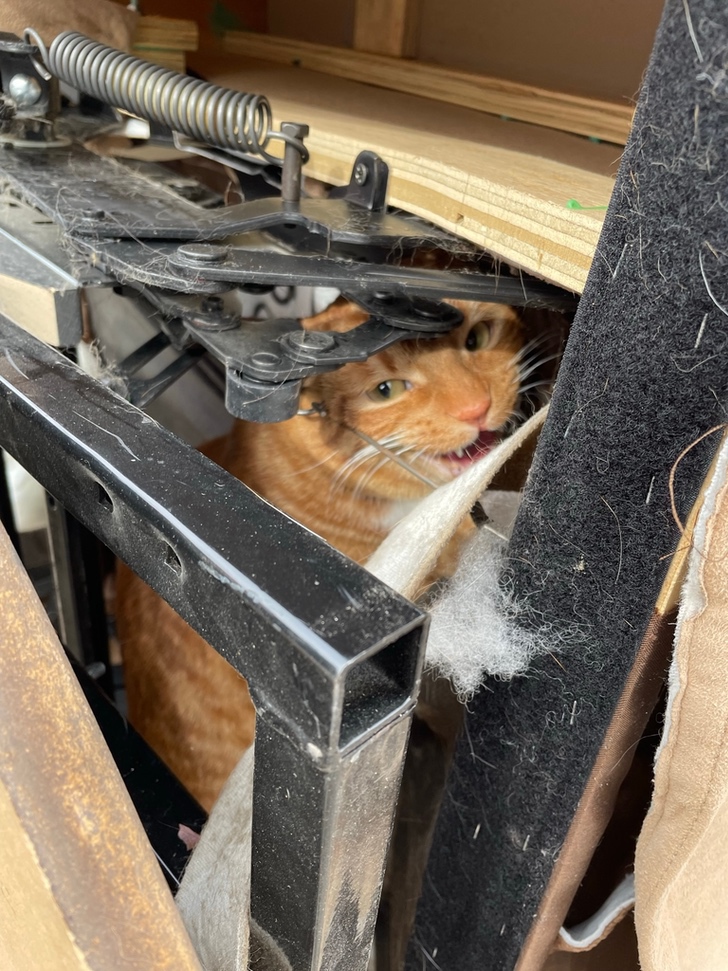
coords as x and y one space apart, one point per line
604 120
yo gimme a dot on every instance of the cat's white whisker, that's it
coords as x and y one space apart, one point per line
367 475
534 384
537 364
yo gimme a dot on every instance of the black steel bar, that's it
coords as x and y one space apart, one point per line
332 656
79 595
163 265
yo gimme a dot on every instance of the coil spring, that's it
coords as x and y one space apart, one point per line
230 120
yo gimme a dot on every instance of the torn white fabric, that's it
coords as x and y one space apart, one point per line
590 931
409 554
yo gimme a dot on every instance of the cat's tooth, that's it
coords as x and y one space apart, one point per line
460 452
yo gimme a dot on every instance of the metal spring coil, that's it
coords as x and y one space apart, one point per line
231 120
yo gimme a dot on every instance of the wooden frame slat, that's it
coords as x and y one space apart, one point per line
387 26
604 120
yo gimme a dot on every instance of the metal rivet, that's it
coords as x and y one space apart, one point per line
431 311
265 359
203 252
361 173
313 340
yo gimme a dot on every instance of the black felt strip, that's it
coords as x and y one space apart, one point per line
644 375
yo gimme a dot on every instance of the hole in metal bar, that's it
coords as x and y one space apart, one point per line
379 686
172 560
103 498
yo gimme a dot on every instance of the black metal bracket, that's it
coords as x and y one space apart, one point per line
332 656
128 221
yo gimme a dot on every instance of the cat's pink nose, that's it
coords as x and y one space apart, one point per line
473 411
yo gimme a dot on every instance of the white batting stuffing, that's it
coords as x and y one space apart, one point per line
475 631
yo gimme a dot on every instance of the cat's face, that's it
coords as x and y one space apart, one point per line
439 403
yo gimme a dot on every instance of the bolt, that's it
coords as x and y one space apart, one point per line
92 214
202 253
292 161
361 173
384 296
311 340
294 129
24 90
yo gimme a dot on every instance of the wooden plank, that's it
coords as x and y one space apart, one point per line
169 33
75 862
606 120
172 60
387 26
502 185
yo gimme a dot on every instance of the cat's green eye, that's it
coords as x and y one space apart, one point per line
478 337
387 390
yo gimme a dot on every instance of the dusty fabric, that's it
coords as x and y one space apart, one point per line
102 20
682 855
643 376
214 896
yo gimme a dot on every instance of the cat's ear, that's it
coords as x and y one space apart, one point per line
342 315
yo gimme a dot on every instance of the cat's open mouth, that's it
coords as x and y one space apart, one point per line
463 457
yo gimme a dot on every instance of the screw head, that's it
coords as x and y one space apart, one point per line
361 173
24 90
202 253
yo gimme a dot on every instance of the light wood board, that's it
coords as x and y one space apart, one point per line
606 120
387 26
169 33
164 41
501 185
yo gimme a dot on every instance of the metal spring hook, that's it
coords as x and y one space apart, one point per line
235 121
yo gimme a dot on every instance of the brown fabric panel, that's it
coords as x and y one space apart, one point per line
682 853
67 795
104 21
617 952
595 809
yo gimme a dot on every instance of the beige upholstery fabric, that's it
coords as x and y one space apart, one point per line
101 19
681 909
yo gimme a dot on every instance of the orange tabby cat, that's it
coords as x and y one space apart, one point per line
437 403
